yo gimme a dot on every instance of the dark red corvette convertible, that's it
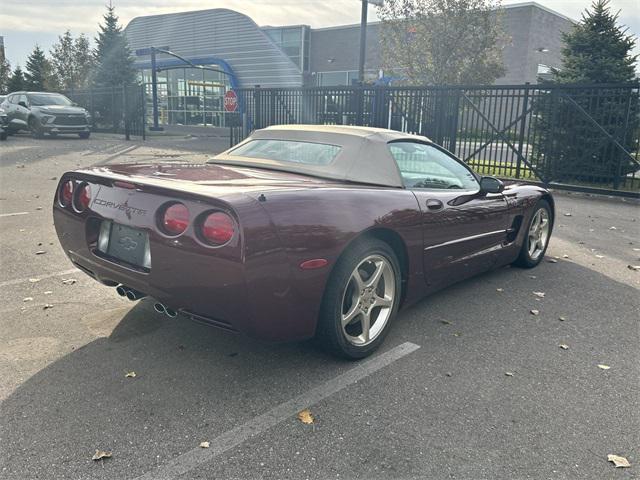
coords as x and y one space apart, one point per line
299 231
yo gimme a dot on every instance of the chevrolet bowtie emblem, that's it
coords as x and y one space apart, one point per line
128 243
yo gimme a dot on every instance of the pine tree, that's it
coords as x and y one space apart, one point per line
38 71
571 144
112 53
597 50
16 81
5 75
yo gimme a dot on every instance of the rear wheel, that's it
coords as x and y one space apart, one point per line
537 237
84 134
360 301
36 128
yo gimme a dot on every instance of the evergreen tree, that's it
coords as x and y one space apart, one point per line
597 50
16 81
38 71
572 144
112 54
72 61
5 75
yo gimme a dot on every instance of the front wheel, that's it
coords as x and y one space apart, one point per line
3 135
537 236
360 301
36 128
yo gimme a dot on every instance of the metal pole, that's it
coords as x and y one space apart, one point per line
154 90
363 41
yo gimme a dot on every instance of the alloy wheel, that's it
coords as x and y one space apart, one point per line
538 233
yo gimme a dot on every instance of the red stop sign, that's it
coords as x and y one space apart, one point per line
230 101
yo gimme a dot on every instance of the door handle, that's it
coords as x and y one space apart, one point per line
434 204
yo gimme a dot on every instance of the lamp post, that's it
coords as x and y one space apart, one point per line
363 35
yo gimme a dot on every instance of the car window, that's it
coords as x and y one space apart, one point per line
12 99
426 166
288 151
23 98
40 99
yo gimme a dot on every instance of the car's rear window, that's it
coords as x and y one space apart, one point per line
288 151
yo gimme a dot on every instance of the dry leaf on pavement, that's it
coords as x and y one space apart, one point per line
130 375
305 416
499 289
539 294
69 281
552 260
34 280
27 299
564 346
47 306
634 267
509 374
40 252
100 454
619 462
568 214
604 367
204 444
534 312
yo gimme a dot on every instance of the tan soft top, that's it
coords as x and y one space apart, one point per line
364 156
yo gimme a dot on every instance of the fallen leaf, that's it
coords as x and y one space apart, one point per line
38 208
612 228
565 256
564 346
552 260
19 166
204 444
448 374
69 281
604 367
567 214
40 252
100 454
499 289
34 280
533 277
48 292
562 319
635 268
446 322
599 256
305 416
47 306
539 294
27 299
636 249
457 334
509 374
619 462
130 375
534 312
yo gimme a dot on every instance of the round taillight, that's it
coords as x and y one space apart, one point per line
83 197
175 219
217 228
66 193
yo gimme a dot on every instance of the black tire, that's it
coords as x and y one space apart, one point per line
84 135
36 128
3 136
525 260
329 333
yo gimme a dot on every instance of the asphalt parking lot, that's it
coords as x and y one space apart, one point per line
469 384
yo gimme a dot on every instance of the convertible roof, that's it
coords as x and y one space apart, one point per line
363 158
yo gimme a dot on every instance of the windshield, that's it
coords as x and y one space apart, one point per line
288 151
41 99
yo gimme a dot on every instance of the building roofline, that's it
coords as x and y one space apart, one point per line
506 7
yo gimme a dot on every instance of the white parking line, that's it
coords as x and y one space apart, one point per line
13 214
18 281
228 440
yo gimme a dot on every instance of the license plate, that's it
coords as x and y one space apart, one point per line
130 245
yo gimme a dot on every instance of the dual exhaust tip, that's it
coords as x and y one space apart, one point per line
133 295
130 293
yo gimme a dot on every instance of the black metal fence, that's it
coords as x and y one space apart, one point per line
114 109
581 135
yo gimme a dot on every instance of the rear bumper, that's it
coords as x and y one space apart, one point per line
252 296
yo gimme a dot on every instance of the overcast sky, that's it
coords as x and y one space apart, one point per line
25 23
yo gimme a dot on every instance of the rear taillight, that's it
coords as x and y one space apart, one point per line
217 228
175 219
66 193
83 198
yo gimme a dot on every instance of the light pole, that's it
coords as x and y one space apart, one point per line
363 35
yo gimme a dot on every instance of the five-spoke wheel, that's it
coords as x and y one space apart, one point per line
537 236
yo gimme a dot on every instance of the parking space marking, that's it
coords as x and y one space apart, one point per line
236 436
18 281
116 155
13 214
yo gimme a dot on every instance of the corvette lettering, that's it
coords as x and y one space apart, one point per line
119 206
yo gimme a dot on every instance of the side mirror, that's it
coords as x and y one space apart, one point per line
491 185
23 104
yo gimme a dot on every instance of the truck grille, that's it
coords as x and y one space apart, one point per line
70 120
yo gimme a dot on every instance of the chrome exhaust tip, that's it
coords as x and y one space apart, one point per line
170 313
160 308
121 290
135 295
